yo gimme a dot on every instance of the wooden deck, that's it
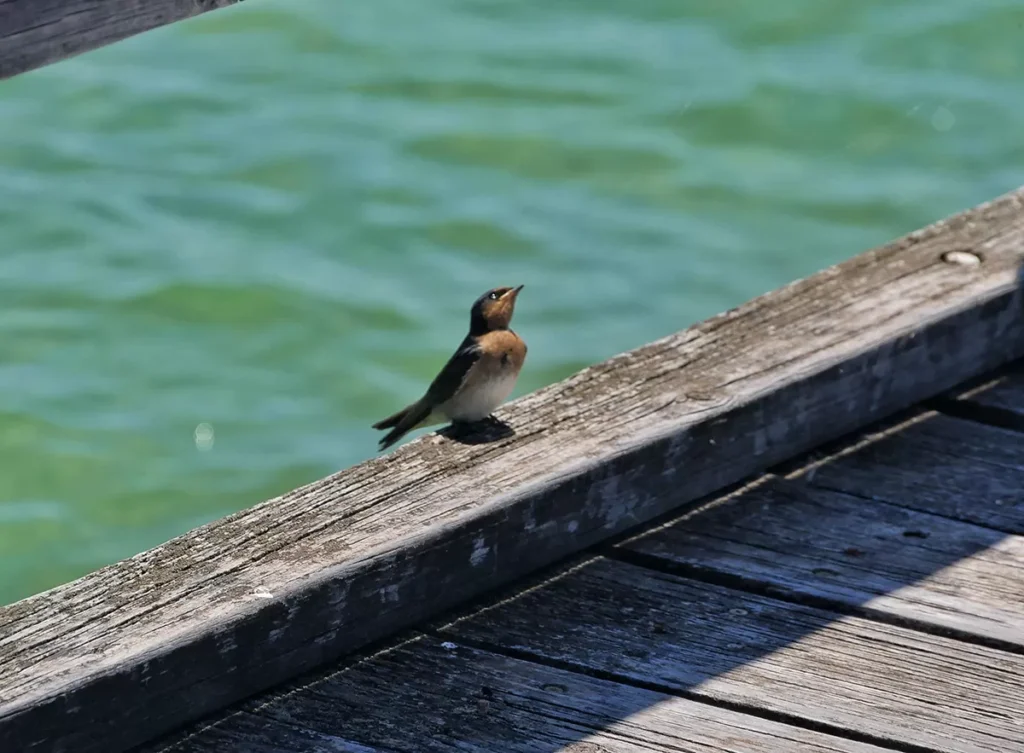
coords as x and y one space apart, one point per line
867 598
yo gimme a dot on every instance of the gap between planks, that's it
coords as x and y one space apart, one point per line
995 401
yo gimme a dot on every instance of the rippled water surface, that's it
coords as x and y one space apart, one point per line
229 245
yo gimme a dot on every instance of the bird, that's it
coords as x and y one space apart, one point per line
478 377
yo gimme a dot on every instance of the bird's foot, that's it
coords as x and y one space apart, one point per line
489 429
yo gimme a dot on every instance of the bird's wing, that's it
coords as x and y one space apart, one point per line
454 373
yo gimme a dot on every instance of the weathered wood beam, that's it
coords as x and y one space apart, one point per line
34 33
239 605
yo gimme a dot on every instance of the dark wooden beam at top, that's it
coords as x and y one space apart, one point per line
34 33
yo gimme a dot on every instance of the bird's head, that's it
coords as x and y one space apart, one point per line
493 310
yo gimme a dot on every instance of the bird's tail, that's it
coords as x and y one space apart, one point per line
402 422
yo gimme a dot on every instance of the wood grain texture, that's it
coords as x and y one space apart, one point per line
935 463
34 33
249 601
425 697
806 542
890 684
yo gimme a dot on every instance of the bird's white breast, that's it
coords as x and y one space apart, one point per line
478 399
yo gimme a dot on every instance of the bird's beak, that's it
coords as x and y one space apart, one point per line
506 305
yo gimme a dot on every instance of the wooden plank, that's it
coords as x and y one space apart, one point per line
256 598
1004 394
891 685
805 542
34 33
935 463
429 698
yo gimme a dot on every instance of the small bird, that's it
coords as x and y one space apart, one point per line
477 378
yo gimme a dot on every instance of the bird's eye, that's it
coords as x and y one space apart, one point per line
493 296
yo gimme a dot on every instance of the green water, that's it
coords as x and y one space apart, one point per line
269 222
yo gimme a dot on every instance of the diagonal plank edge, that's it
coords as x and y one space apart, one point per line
34 33
137 648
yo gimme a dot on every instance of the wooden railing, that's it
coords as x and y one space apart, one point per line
236 606
34 33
